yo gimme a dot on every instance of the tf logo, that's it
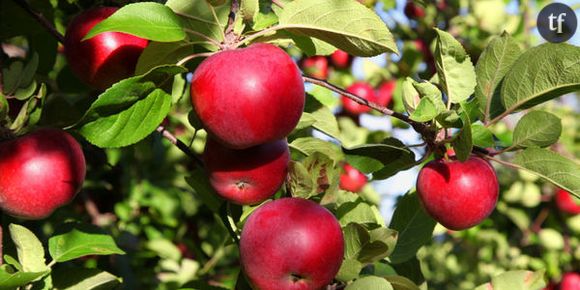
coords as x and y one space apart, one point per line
557 22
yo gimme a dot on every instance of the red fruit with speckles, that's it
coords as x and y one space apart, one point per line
40 172
247 176
340 58
363 90
316 67
385 93
567 203
249 96
291 244
352 179
104 59
457 194
414 11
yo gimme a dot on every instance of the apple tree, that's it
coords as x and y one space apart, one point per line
248 144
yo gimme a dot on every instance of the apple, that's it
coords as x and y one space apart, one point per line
458 194
104 59
414 11
565 202
41 171
316 66
570 281
385 93
363 90
340 59
352 179
291 243
247 176
249 96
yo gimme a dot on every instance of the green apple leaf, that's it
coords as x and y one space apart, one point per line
454 68
463 142
481 135
381 158
309 145
349 269
130 110
401 283
516 280
76 278
10 279
74 240
411 269
313 175
370 283
411 97
493 64
358 212
249 9
537 129
541 74
368 246
347 25
29 249
414 225
162 53
203 190
325 121
147 20
551 166
3 108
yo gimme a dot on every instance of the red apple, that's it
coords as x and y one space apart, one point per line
414 11
41 171
570 281
247 176
352 179
385 93
567 203
458 194
316 66
104 59
340 58
291 244
363 90
249 96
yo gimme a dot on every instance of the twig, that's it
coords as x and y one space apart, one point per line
192 56
231 38
203 36
536 225
41 19
97 218
180 145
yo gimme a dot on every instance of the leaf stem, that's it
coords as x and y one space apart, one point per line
180 145
278 3
192 56
41 20
258 35
203 36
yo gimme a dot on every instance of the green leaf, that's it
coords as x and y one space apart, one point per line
370 158
493 64
463 142
516 280
370 283
358 212
541 74
481 135
552 167
347 25
147 20
3 108
401 283
202 18
537 129
203 190
411 97
29 249
425 111
166 249
325 121
349 269
130 110
10 280
76 240
310 145
414 225
76 278
411 269
162 53
313 175
249 9
454 68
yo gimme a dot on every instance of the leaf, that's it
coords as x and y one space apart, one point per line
249 9
202 18
84 279
325 121
370 158
516 280
310 145
370 283
411 269
481 136
203 190
401 283
29 249
425 111
129 110
493 64
552 167
76 240
358 212
10 280
162 53
541 74
414 225
537 129
463 142
349 270
147 20
410 95
313 175
347 25
454 68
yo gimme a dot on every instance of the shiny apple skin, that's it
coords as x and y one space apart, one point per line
104 59
459 195
249 96
291 244
352 179
385 93
40 172
570 281
341 59
316 67
247 176
565 202
363 90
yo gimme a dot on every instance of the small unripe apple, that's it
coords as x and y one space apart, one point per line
247 176
316 66
249 96
363 90
340 58
352 179
40 172
567 203
414 11
104 59
570 281
385 93
457 194
291 244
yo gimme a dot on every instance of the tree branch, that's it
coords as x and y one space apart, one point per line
41 20
180 145
231 38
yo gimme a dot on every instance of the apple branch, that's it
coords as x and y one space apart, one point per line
231 38
180 145
41 20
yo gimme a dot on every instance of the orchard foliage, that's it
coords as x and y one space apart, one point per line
472 85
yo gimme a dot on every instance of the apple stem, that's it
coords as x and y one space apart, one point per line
41 19
180 145
231 38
